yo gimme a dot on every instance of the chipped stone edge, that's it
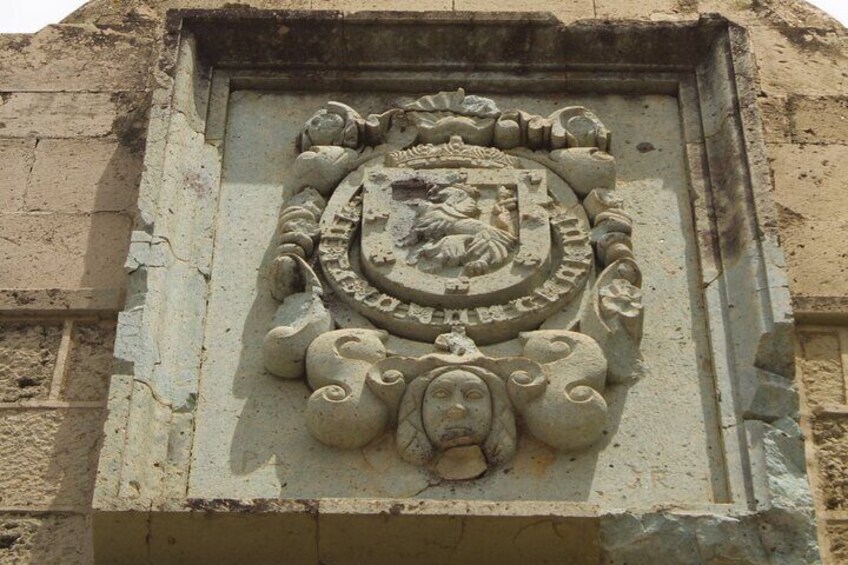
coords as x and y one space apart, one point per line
145 458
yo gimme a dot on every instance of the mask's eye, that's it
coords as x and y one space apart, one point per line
440 393
473 394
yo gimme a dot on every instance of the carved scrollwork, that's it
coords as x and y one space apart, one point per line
449 222
343 411
337 124
299 319
571 413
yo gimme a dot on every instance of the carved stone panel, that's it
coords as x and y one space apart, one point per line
293 292
449 222
365 300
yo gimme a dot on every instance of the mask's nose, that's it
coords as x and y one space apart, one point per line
456 411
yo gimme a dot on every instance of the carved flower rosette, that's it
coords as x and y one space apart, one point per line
456 275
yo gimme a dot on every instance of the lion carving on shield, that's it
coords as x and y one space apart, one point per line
455 233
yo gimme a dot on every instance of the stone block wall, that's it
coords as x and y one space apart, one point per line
73 105
71 109
823 377
54 377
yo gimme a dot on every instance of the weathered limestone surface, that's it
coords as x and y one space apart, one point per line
822 361
803 79
821 119
48 457
16 159
54 539
801 61
816 265
90 362
534 534
781 14
821 368
83 176
837 534
63 250
820 265
564 10
57 114
776 118
830 434
50 447
650 9
73 58
350 6
810 185
27 359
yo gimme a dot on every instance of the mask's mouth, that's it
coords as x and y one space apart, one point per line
456 436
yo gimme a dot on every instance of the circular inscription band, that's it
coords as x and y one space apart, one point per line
570 267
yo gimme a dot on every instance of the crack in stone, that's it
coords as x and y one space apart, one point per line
707 284
153 393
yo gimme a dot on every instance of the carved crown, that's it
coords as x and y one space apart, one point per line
452 154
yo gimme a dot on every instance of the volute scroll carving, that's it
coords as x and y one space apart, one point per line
445 225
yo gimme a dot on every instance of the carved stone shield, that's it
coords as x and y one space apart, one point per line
448 235
455 237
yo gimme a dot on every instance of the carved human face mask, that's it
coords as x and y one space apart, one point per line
457 410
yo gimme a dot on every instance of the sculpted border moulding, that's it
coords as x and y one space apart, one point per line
145 463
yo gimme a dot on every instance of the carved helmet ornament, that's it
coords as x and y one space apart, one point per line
478 267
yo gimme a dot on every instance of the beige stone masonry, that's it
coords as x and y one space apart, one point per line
830 433
51 440
89 363
774 111
821 120
809 181
564 10
838 534
70 58
28 355
817 264
46 539
823 370
48 457
57 114
548 540
63 250
43 301
646 9
801 61
16 160
83 175
809 185
778 13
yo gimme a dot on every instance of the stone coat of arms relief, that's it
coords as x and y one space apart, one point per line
457 275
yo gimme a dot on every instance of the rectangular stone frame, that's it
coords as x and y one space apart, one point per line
141 504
